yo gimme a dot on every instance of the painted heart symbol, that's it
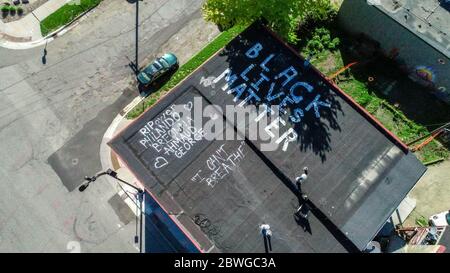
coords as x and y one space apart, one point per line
160 162
188 106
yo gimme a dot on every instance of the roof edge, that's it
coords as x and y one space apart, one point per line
424 39
369 117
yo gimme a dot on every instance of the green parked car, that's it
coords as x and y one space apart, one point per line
168 62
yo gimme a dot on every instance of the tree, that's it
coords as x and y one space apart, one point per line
283 16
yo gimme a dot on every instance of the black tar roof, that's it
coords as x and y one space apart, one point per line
358 171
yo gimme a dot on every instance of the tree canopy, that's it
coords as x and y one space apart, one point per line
283 16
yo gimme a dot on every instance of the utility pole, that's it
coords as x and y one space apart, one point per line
135 65
136 60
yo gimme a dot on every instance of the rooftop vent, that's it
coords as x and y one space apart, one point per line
392 5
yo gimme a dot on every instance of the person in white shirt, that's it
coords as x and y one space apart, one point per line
265 230
302 178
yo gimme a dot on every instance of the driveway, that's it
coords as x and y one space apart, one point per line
431 193
53 116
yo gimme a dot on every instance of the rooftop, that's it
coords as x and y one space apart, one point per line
223 190
428 19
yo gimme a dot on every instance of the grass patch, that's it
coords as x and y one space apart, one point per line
186 69
400 118
327 61
422 221
389 115
401 106
65 15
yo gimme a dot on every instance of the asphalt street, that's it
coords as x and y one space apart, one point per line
52 119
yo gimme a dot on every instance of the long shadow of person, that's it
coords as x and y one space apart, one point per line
267 243
301 217
44 57
302 214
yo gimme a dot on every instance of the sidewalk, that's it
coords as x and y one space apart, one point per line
193 237
26 32
431 193
189 40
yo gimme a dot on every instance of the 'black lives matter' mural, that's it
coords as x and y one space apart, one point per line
357 168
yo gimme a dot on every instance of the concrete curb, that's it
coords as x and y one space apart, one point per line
106 162
105 150
49 38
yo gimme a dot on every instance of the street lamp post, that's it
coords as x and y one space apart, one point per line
113 174
136 61
135 65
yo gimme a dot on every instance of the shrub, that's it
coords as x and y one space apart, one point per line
321 40
5 9
283 16
12 10
324 15
20 10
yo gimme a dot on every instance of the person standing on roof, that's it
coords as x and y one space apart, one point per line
265 230
267 234
302 178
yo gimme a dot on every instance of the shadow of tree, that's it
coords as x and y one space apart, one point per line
390 79
313 132
301 214
316 125
390 82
